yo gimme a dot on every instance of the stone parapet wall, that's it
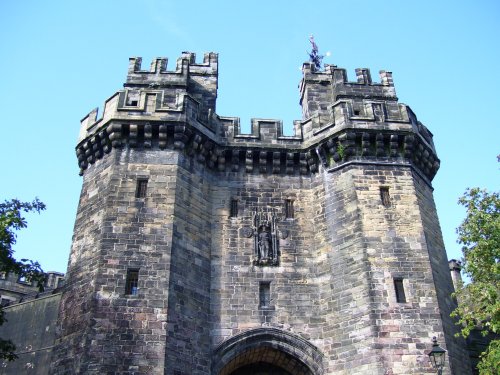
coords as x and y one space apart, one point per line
32 327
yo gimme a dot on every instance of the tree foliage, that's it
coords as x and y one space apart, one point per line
479 300
12 220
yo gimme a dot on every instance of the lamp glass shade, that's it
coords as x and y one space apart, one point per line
437 359
437 355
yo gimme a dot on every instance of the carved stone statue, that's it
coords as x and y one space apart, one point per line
264 243
314 55
266 239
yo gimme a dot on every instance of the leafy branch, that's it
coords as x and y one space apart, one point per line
12 220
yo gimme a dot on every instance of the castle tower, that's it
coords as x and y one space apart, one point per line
201 250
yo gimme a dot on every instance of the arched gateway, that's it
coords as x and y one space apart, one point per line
267 351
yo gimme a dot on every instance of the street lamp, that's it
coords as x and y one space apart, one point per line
437 356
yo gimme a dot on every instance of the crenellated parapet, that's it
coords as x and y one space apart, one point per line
320 89
264 132
189 77
159 76
330 96
343 122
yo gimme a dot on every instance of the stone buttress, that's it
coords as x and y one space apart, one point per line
202 250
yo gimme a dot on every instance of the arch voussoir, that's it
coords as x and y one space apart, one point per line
288 351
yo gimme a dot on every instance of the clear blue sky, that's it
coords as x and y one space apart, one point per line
60 59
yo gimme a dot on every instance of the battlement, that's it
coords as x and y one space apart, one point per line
264 132
176 109
158 75
321 89
363 75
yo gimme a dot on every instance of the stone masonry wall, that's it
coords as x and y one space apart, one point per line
443 283
346 332
187 341
76 307
335 282
198 284
31 326
362 247
235 278
395 248
122 332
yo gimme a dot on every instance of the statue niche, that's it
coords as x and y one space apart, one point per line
266 239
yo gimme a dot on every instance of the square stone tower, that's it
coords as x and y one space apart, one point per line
201 250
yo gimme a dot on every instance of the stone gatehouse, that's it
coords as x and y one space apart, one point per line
198 249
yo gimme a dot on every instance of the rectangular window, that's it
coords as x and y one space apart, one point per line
378 112
289 214
264 294
384 196
400 291
142 186
133 97
131 285
234 208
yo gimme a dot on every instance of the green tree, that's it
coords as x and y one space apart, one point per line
12 220
479 300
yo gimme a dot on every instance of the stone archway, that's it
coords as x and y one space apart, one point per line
267 351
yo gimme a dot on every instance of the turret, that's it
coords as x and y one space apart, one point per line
189 78
320 90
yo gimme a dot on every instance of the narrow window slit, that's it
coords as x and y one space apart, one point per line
142 186
385 196
289 213
233 210
264 294
400 291
131 285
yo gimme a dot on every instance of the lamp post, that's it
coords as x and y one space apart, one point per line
437 356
